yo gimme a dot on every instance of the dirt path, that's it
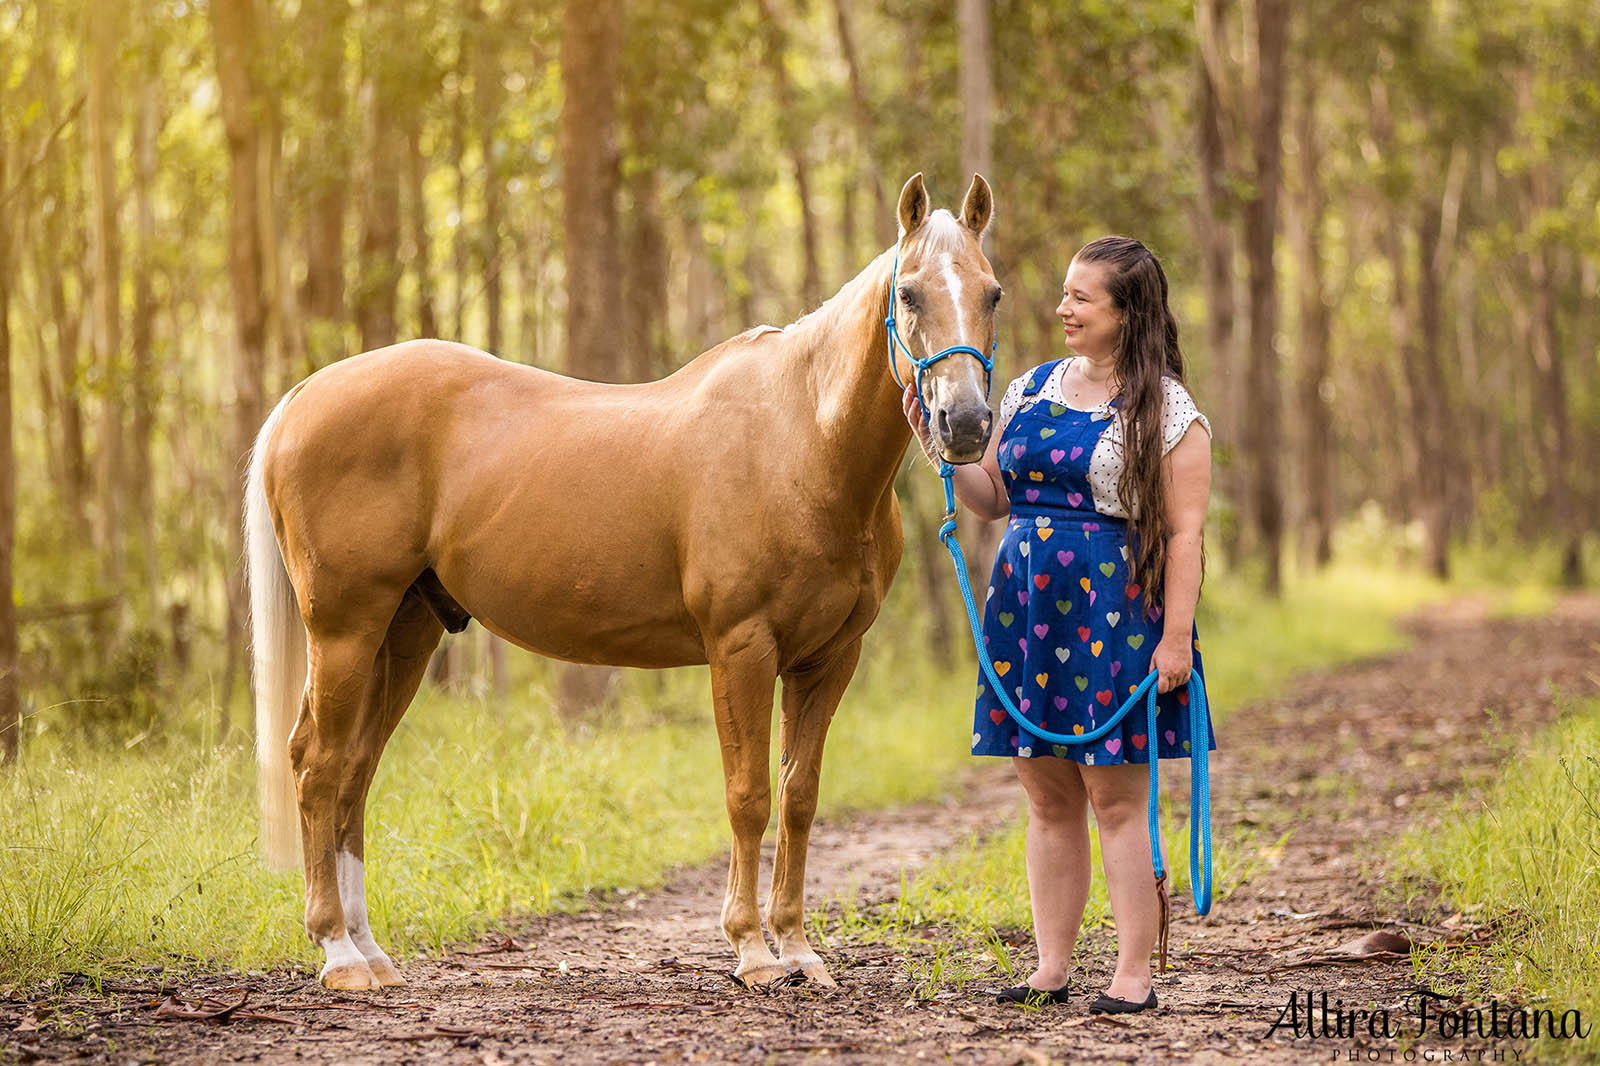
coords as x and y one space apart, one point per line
1349 761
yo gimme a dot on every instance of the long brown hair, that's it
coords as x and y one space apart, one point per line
1146 352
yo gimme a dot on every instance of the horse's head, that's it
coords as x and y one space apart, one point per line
944 298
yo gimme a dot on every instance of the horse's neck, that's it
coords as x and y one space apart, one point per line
858 432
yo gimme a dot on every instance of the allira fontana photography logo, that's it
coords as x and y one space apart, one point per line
1424 1015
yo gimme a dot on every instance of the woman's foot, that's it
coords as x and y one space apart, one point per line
1043 986
1112 1005
1034 997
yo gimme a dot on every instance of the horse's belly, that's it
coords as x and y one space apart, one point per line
568 601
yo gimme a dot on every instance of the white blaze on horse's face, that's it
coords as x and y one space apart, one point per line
948 297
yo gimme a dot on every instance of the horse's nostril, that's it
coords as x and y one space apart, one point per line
944 424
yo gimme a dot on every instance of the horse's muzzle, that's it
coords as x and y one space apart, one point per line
963 431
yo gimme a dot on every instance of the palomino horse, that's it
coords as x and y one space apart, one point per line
739 513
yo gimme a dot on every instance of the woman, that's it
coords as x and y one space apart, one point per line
1103 464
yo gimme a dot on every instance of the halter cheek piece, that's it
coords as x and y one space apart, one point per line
921 365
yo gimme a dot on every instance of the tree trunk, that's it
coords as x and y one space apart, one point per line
1265 428
421 259
883 222
976 158
10 699
774 41
377 299
487 92
976 94
233 30
1555 421
1216 209
1428 406
591 44
104 31
322 294
460 248
1315 333
144 313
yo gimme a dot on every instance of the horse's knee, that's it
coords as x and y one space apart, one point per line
749 807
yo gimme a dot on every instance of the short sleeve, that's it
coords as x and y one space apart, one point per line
1177 412
1011 401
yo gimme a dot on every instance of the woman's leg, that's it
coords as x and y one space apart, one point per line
1058 862
1120 795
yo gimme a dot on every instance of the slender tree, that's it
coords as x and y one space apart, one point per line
591 42
233 32
10 703
1265 421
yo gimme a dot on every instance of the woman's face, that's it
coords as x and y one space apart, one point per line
1092 323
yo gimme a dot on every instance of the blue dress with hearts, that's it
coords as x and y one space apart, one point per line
1063 622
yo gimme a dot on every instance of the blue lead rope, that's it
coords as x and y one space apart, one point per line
1199 717
1199 734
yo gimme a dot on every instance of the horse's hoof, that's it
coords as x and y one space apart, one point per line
385 972
349 977
818 975
762 976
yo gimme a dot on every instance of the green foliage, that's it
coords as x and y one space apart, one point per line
1520 861
478 811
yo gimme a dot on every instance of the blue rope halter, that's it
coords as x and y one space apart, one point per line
1199 716
921 365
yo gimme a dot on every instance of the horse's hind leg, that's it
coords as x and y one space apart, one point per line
396 672
809 700
333 749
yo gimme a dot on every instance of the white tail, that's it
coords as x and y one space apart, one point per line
278 663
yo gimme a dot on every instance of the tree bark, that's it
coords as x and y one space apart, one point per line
1216 209
883 223
774 43
144 314
233 31
1265 422
377 300
421 258
591 44
977 92
104 29
487 93
10 699
1315 335
322 299
1428 407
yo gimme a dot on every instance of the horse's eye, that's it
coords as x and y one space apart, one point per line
908 297
994 298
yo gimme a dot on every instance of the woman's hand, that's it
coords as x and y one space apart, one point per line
1172 661
919 422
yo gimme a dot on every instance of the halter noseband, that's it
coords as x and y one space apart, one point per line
921 365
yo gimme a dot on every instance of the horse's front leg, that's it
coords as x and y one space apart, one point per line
743 669
809 700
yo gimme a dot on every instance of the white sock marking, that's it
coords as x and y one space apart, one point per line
353 898
341 952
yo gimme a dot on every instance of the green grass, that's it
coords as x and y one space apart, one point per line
131 858
1522 861
951 917
113 858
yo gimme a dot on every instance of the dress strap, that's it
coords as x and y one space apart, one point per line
1039 376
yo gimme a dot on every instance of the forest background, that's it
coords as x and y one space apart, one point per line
1380 220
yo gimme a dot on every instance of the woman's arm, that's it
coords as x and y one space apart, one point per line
978 485
1185 490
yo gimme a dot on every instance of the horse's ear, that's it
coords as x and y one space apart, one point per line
913 204
979 206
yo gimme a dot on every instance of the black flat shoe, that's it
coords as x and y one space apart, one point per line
1111 1005
1033 997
